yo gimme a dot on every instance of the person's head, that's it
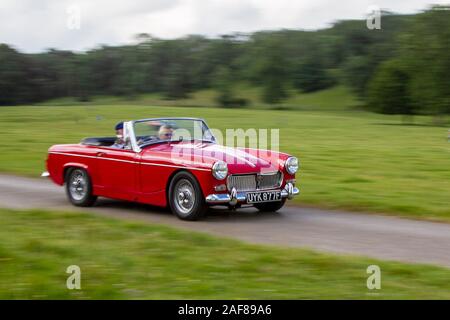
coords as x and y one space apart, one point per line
119 130
165 132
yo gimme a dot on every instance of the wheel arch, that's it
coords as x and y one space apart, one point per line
170 178
71 165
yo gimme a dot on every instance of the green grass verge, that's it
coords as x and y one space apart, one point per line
130 260
350 160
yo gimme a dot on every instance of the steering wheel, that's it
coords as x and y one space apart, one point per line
147 139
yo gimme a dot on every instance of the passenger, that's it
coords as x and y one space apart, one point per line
165 132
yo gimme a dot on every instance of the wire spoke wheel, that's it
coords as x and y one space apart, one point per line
78 185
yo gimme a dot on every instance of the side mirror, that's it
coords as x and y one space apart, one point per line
209 136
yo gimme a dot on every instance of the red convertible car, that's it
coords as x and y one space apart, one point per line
173 162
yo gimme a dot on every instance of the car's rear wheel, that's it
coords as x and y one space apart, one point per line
270 206
79 187
185 197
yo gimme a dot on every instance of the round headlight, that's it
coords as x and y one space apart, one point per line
291 165
220 170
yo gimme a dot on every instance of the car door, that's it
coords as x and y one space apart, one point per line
155 169
118 172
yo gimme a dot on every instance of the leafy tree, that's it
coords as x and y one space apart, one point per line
389 90
175 84
357 71
224 85
424 49
273 73
15 83
271 60
310 75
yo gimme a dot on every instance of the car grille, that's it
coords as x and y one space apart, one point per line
249 182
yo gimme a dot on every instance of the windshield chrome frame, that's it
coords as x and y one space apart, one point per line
130 134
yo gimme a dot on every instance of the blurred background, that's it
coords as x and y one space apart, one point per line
401 68
359 91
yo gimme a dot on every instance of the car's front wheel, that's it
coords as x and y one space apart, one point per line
185 197
79 187
270 206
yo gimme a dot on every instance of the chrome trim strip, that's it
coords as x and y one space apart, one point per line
45 174
172 166
128 161
169 118
92 157
218 198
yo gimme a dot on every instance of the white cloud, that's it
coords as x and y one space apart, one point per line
33 26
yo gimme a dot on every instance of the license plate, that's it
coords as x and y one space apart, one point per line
268 196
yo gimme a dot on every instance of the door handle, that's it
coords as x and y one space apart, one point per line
100 154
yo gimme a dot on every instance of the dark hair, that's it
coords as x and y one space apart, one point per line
119 126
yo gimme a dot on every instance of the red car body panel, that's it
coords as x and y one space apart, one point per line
144 176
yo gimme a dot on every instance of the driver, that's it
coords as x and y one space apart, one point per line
119 143
165 132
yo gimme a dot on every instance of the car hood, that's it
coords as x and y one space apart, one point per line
239 160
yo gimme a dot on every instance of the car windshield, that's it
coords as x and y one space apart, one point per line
159 130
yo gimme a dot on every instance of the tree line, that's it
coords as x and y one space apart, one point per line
404 68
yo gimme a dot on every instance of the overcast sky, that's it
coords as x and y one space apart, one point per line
36 25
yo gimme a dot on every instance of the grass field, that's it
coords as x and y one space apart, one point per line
352 160
120 259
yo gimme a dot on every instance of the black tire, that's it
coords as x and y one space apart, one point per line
79 195
270 206
191 204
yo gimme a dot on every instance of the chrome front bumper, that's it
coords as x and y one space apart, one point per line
235 197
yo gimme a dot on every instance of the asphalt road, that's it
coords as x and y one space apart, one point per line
332 231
